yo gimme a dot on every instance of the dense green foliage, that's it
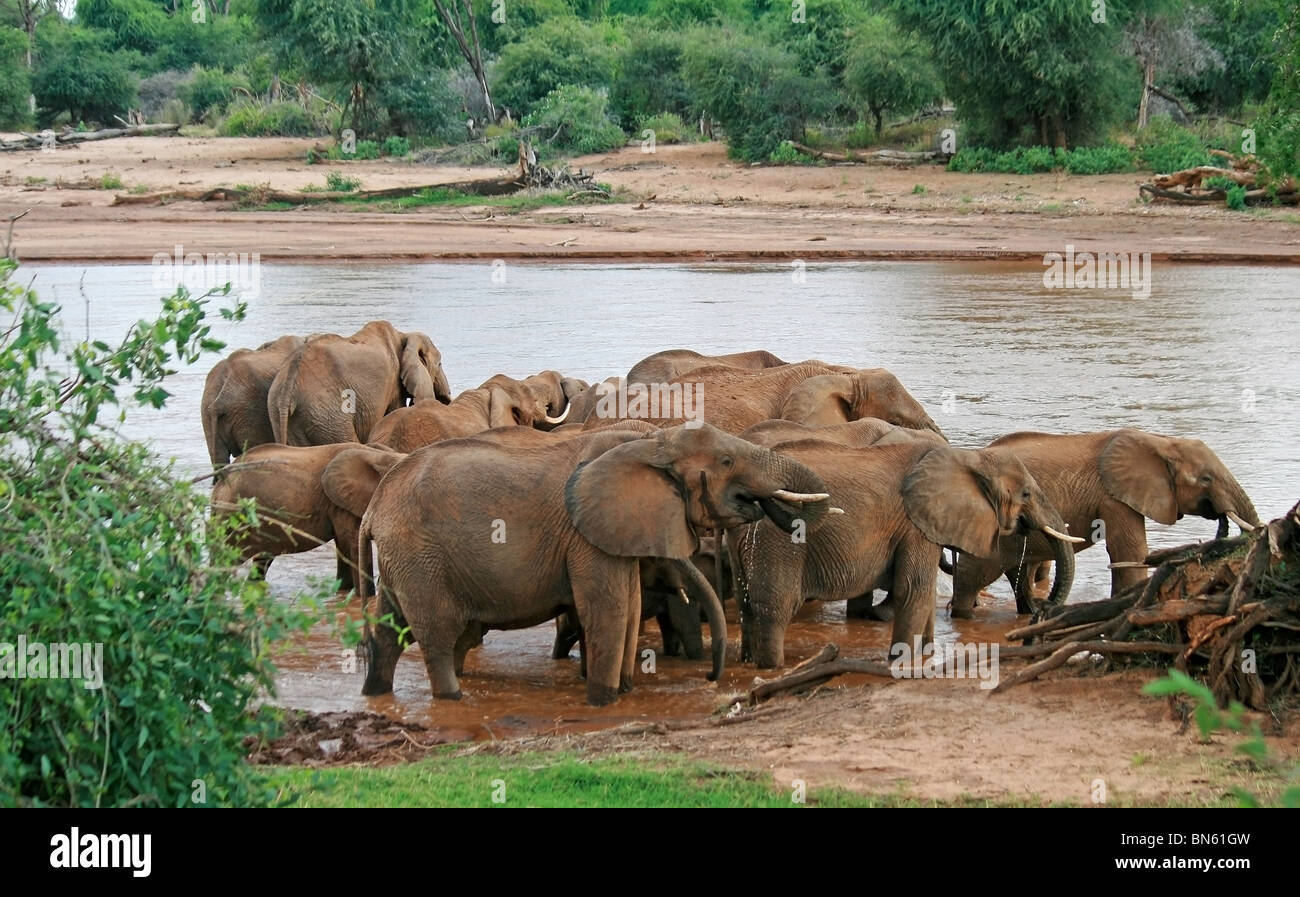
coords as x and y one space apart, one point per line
576 119
102 545
15 81
1021 73
1030 159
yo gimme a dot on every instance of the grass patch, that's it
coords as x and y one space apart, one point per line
110 181
524 201
544 779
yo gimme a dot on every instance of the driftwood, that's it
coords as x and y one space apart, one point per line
888 157
1187 186
1221 608
68 138
822 667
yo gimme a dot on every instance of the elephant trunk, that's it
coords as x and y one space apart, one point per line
1221 532
441 387
1236 505
1063 555
699 586
798 496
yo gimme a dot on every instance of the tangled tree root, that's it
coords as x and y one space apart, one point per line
1227 610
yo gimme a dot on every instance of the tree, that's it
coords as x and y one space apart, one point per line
79 71
1049 71
15 81
456 16
558 52
754 89
1166 37
1279 127
887 68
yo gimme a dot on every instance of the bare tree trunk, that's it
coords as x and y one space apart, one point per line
1148 81
471 49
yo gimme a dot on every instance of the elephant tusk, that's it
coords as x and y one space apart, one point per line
800 496
833 510
685 598
1245 527
1062 536
560 419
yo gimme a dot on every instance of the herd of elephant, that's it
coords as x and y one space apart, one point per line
523 501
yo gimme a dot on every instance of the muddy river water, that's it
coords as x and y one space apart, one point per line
1210 353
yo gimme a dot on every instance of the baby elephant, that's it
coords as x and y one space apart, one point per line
305 496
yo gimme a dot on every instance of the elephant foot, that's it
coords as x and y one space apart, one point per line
375 687
961 612
601 695
449 695
624 686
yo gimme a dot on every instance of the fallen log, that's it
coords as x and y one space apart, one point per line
892 157
822 667
68 138
487 187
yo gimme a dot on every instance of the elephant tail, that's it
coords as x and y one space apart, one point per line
280 422
365 586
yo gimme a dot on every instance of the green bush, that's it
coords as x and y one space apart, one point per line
1037 159
210 90
80 74
396 146
786 154
282 118
15 82
558 52
341 183
581 117
1164 146
668 127
103 545
648 77
1236 197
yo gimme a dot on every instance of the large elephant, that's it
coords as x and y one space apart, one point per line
470 533
583 405
555 392
499 402
234 398
734 399
305 496
902 504
335 388
670 364
857 433
1105 485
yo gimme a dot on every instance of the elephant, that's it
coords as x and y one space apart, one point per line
499 402
470 533
862 432
583 405
305 496
902 504
662 367
734 399
335 389
556 393
234 398
1106 485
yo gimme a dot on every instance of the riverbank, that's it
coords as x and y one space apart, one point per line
687 202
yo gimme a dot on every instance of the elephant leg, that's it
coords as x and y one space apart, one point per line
567 633
601 599
1022 583
633 630
969 575
685 620
384 650
865 608
439 635
1126 541
916 566
472 637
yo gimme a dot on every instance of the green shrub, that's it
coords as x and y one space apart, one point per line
282 118
341 183
786 154
104 545
210 90
1236 197
1032 159
558 52
1164 146
396 146
581 117
80 74
668 127
1098 159
110 181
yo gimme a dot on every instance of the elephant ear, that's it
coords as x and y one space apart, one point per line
1135 470
350 480
946 500
416 379
820 401
626 504
503 410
